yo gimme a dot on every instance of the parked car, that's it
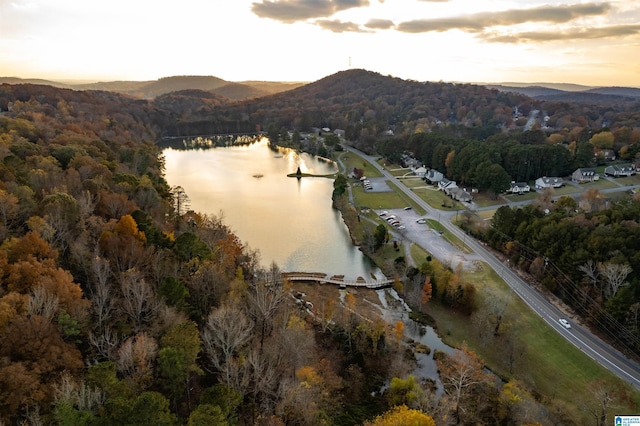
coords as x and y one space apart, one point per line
564 323
421 221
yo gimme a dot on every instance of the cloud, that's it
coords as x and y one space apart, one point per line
379 24
338 26
289 11
573 34
480 21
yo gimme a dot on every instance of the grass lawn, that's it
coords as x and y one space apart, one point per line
482 199
631 180
415 182
486 214
407 201
599 184
399 172
352 160
437 199
567 190
377 200
532 195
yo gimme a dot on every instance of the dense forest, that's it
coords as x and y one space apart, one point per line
118 305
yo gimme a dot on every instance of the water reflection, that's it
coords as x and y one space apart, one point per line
290 221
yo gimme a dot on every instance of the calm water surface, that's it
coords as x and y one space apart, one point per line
289 221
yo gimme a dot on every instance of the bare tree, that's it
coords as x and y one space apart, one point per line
227 330
77 394
615 275
136 357
592 273
102 297
460 374
42 302
105 342
265 296
139 300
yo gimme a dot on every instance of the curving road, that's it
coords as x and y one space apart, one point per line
579 336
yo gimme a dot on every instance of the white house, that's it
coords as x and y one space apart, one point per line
446 184
549 182
519 187
420 171
618 171
434 176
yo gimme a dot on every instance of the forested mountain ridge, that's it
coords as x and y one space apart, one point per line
369 107
153 88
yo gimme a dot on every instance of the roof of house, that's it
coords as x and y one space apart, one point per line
546 179
587 171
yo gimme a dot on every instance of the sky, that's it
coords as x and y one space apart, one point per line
583 42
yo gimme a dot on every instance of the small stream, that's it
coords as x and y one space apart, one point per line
398 310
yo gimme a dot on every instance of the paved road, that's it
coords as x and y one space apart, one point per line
579 336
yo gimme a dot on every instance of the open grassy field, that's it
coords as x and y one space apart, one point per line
377 200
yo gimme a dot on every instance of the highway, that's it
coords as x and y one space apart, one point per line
578 335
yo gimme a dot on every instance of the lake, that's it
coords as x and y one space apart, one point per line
289 221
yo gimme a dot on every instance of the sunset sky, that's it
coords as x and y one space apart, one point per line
590 43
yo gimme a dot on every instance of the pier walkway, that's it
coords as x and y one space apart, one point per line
323 278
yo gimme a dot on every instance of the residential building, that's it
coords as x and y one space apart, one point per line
519 187
549 182
585 175
618 171
434 176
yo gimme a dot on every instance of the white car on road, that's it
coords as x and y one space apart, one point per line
564 323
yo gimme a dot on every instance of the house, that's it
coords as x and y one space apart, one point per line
461 194
549 182
445 183
618 171
519 187
434 176
605 154
420 171
585 175
339 132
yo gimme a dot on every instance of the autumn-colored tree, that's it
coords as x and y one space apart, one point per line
34 353
402 415
461 373
427 291
398 331
124 244
404 391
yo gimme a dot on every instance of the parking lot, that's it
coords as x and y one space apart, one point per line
427 238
